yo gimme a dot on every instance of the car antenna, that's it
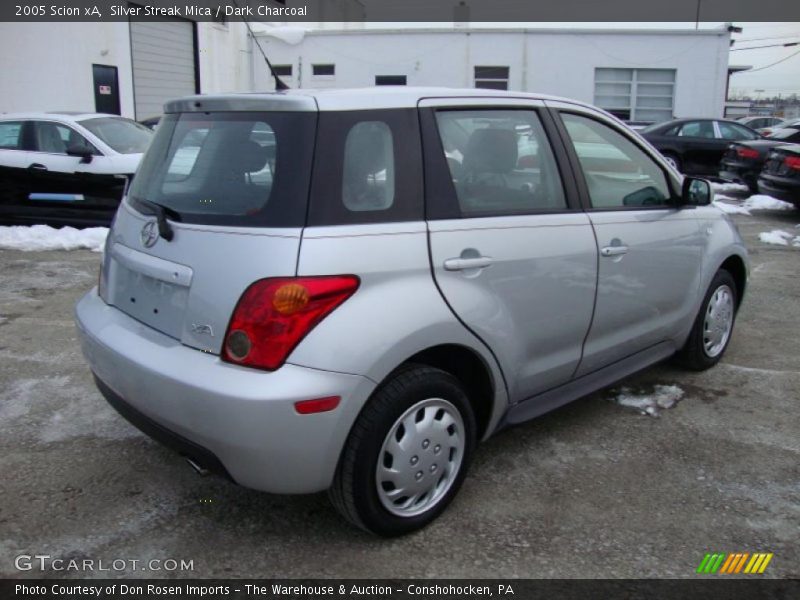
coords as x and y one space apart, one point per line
279 84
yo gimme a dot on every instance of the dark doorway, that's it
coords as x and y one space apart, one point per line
106 89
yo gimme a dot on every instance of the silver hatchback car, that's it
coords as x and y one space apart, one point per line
345 290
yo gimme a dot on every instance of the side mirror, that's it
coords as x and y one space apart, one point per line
696 192
84 152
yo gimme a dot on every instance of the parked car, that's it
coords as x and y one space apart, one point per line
695 146
66 168
760 122
743 161
780 177
151 122
791 124
348 324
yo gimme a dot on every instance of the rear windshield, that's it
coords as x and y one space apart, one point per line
230 168
123 135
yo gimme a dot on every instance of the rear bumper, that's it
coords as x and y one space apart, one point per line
230 419
739 173
780 188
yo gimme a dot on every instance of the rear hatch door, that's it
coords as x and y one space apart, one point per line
234 188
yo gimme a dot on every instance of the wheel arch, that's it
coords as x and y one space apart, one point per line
738 270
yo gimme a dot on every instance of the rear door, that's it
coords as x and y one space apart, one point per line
235 188
511 251
650 250
702 148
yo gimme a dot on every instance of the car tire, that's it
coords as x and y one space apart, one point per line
673 160
393 479
713 325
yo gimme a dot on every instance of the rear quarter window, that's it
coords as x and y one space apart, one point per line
11 135
367 168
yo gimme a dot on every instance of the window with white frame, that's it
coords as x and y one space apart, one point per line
491 78
636 94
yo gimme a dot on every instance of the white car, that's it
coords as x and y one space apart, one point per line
66 168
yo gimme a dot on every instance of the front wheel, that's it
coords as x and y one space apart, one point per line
407 453
673 160
713 326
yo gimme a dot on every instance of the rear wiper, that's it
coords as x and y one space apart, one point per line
161 213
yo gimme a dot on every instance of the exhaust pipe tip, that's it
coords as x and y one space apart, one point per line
197 468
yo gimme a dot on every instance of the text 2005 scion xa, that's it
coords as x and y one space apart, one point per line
346 290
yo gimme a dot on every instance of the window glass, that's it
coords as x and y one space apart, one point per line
122 135
368 171
731 131
55 138
282 70
491 78
618 173
243 168
500 162
390 79
700 129
320 70
10 135
638 94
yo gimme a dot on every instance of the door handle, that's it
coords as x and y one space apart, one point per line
614 250
462 264
37 167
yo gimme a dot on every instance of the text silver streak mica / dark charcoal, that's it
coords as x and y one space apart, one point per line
287 300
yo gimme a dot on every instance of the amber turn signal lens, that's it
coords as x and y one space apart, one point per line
290 298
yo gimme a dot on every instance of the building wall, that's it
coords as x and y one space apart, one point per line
48 66
547 62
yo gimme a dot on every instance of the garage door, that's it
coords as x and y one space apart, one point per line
163 64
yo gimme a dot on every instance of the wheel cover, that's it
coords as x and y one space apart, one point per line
420 458
672 162
718 321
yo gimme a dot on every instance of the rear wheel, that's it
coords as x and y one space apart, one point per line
713 326
407 454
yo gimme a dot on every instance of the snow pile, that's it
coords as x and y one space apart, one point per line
735 188
731 209
779 237
662 397
756 202
36 238
286 34
762 202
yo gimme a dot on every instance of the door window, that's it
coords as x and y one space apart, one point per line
55 138
699 129
500 162
618 173
731 131
11 135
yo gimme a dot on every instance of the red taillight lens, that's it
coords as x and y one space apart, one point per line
274 315
743 152
793 162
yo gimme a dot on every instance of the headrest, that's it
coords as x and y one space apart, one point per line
491 151
253 156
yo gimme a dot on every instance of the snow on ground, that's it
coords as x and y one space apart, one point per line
721 188
662 397
35 238
779 237
755 202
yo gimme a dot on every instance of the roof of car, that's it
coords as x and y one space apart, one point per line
340 99
68 116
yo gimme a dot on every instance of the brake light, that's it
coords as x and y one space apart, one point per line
744 152
274 315
793 162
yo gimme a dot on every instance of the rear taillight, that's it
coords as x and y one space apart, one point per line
743 152
793 162
274 315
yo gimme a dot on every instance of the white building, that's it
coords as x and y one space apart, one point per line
129 68
646 75
132 68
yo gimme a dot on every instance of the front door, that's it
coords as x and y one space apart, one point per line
106 89
511 251
650 250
